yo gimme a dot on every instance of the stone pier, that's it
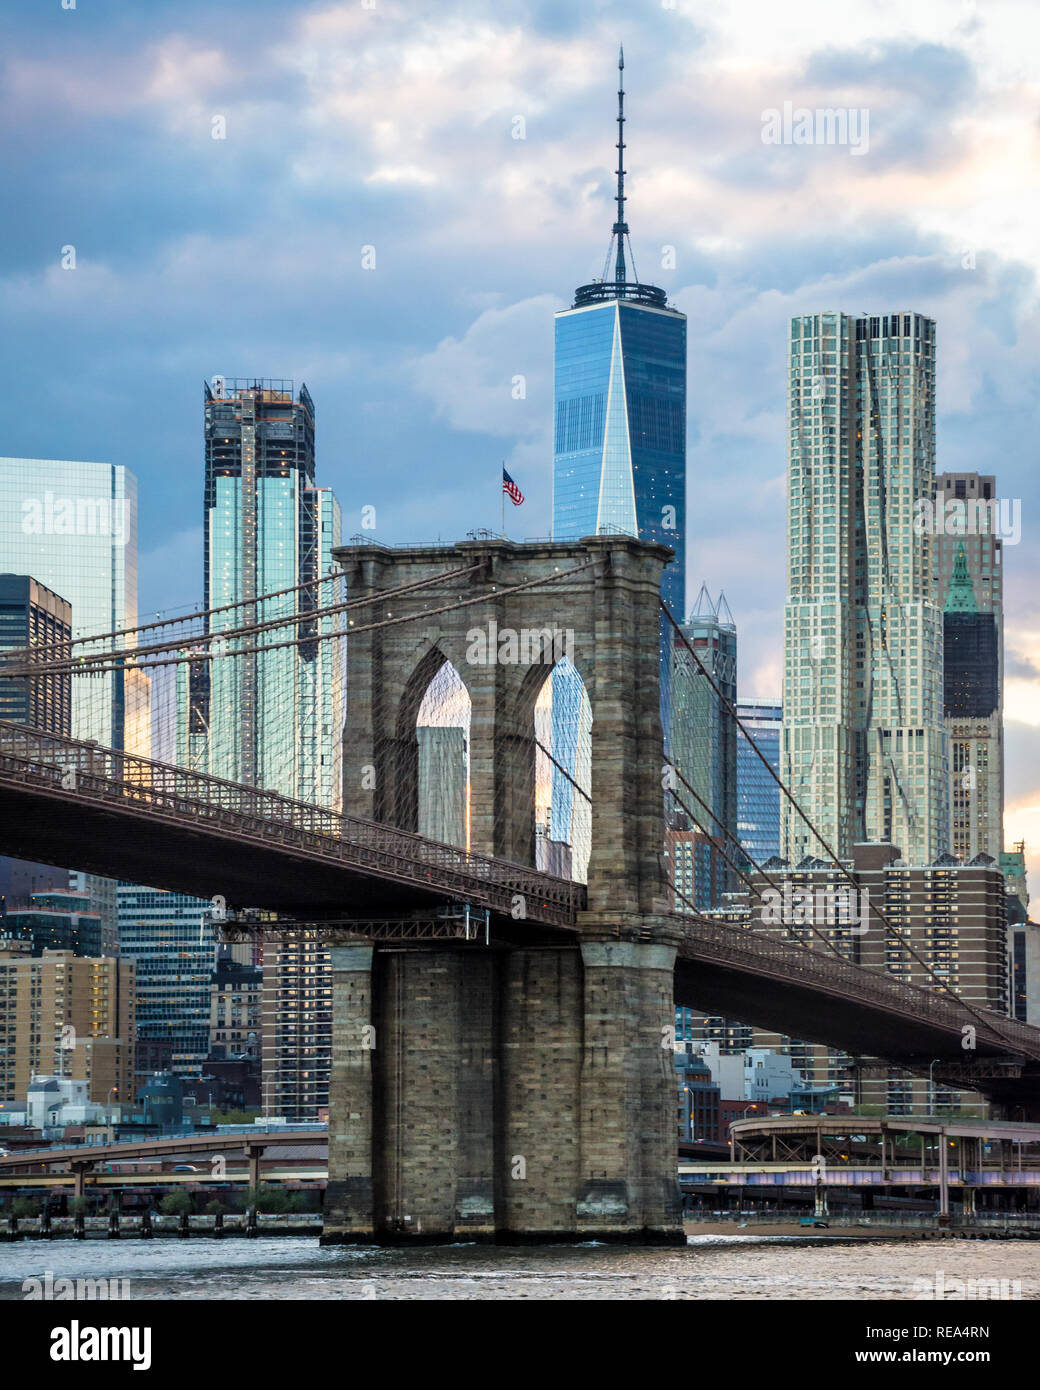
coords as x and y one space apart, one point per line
520 1090
508 1095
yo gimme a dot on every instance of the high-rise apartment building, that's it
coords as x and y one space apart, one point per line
758 795
66 1015
296 1021
953 913
969 556
272 718
234 1010
863 747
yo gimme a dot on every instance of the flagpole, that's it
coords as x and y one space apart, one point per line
503 480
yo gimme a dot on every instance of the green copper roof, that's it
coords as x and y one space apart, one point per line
960 595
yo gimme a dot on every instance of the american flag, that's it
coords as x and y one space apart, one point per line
511 490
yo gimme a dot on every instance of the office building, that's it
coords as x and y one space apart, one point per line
969 566
33 617
863 748
699 1113
619 450
1023 945
68 1016
169 937
443 781
72 526
54 921
703 730
758 794
619 457
271 718
1013 866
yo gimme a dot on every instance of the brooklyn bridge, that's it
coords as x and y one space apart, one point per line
502 1035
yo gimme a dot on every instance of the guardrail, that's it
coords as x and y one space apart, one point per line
729 945
86 771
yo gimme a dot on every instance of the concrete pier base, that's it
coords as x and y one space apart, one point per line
513 1096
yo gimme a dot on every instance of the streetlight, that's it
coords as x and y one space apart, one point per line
931 1085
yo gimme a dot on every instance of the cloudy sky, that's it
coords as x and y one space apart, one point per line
392 124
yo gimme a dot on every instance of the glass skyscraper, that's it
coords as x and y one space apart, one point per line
619 392
619 451
73 527
758 796
703 733
170 939
271 719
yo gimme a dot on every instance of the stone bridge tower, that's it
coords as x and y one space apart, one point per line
522 1089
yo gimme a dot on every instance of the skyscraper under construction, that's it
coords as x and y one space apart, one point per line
267 718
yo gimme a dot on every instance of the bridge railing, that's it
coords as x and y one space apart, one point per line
83 768
731 944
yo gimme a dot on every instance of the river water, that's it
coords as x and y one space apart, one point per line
714 1267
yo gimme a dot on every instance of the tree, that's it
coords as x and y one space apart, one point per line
175 1203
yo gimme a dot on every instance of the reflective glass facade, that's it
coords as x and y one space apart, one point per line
32 616
758 796
270 719
703 732
73 527
619 455
169 937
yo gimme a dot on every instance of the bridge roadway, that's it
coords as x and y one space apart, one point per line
80 1159
64 801
852 1175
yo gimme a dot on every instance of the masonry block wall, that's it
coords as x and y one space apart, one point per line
509 1095
514 1091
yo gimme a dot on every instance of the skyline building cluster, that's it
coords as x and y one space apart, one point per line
889 733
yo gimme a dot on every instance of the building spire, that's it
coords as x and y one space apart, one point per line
619 286
620 226
960 592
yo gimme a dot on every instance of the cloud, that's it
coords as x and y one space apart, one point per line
398 128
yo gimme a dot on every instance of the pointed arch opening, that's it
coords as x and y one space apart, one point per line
563 774
442 738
